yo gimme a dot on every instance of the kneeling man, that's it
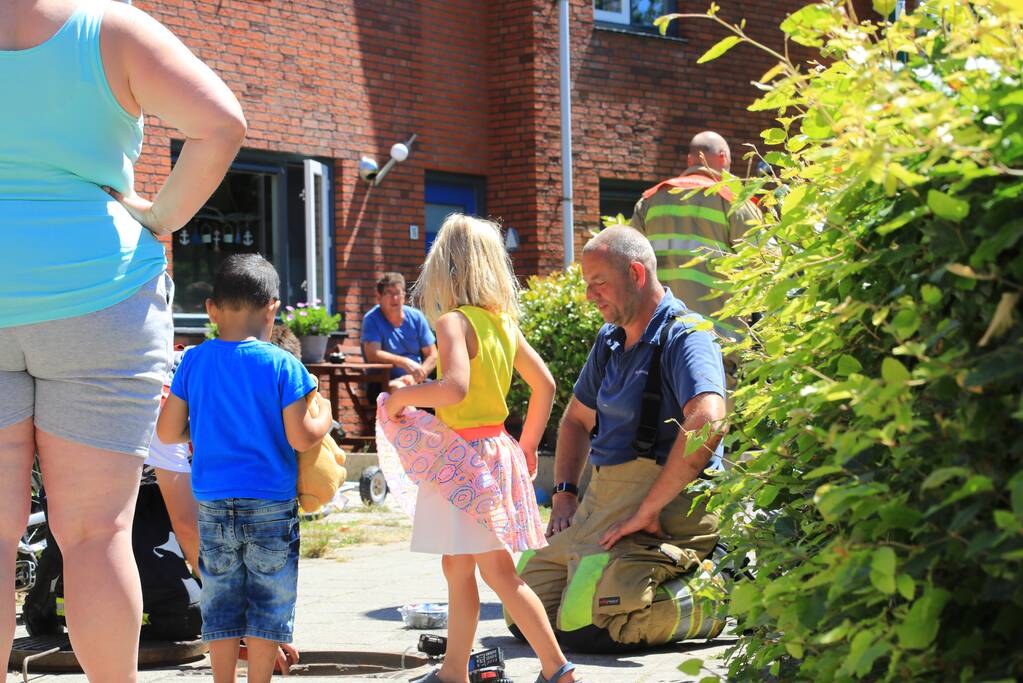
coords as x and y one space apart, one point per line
610 578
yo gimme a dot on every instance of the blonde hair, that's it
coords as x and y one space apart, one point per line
467 266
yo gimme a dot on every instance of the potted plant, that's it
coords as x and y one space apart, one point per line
312 324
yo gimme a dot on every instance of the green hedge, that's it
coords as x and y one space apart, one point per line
560 324
881 397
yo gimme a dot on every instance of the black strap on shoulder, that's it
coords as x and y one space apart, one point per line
601 354
650 404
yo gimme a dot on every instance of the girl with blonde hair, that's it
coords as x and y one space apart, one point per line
464 480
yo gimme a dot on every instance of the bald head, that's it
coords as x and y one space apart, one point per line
623 245
710 149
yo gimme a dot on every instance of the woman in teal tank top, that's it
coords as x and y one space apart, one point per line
85 319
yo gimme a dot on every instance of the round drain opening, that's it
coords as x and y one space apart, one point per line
348 663
151 653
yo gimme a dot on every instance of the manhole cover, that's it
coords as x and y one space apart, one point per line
341 663
151 653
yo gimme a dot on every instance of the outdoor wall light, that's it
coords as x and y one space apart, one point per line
372 173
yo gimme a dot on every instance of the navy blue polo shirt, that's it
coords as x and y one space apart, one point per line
690 365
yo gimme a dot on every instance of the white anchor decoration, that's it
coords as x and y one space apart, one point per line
216 239
184 238
247 238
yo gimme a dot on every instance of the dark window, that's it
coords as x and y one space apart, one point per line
636 15
620 196
258 207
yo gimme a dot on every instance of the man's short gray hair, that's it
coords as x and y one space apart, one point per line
625 245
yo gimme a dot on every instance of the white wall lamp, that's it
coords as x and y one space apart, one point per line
373 174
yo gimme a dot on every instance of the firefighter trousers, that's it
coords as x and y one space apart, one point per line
633 593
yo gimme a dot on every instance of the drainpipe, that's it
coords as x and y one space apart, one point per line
566 134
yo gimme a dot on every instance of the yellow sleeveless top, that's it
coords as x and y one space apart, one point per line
490 372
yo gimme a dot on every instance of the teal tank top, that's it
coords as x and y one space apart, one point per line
66 247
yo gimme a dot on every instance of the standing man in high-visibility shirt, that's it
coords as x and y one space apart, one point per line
681 227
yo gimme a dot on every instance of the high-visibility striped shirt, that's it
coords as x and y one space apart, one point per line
686 232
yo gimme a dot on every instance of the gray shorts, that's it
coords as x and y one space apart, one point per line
94 379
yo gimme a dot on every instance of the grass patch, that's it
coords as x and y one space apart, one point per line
355 525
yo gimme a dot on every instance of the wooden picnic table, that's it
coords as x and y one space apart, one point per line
352 375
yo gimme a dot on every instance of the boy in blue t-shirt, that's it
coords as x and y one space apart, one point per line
242 403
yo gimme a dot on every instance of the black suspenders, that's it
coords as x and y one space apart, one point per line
650 404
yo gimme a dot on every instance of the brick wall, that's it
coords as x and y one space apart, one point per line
478 82
636 102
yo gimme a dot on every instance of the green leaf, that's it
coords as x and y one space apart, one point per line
805 25
905 323
774 136
742 599
946 206
1015 487
882 570
719 48
847 365
906 586
883 7
893 371
793 199
943 474
691 667
662 22
836 634
920 626
823 471
930 294
1006 521
794 649
767 495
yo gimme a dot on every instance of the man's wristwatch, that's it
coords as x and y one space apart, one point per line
566 487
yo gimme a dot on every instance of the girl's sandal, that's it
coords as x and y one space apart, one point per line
565 668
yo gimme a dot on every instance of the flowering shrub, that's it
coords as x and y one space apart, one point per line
305 319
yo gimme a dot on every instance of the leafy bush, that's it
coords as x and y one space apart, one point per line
310 319
561 325
880 405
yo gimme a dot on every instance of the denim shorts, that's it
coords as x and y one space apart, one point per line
248 560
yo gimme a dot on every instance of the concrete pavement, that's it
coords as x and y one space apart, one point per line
351 604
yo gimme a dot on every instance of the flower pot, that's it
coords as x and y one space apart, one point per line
313 347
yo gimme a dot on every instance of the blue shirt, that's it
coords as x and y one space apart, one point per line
407 340
235 393
691 364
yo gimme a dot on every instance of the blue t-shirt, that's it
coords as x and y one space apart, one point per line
407 340
690 364
235 393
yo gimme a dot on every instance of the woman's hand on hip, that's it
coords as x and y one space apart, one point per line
141 210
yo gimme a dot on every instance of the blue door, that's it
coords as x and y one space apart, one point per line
447 194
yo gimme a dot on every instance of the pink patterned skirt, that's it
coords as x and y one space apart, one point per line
471 488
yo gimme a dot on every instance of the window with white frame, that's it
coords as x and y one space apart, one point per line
276 205
635 14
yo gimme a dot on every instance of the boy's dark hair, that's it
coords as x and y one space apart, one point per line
390 280
245 281
282 337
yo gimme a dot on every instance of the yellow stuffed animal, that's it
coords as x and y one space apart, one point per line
320 469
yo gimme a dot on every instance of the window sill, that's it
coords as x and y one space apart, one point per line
629 30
